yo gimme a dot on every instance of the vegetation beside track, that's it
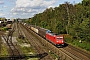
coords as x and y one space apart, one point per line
4 51
82 44
26 48
3 48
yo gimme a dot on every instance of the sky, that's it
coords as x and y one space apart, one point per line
28 8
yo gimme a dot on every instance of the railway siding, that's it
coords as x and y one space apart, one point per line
52 48
36 45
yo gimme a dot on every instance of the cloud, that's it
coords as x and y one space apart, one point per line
15 13
31 6
1 10
4 6
1 2
34 3
1 14
11 0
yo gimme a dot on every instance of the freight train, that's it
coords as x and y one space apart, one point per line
57 40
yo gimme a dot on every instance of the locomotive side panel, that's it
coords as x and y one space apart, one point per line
51 38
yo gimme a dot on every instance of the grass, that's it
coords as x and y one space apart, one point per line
4 29
53 55
84 45
4 51
26 50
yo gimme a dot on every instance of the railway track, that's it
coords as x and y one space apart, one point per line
42 53
66 53
20 32
80 51
0 42
80 54
51 48
13 49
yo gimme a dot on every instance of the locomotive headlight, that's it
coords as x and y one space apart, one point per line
57 41
62 41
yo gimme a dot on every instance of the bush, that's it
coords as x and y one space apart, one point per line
4 29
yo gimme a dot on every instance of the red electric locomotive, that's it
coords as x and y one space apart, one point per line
57 40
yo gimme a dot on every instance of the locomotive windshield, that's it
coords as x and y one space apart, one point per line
59 38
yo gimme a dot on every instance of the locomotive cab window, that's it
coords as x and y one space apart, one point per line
60 38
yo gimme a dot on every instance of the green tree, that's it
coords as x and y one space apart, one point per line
85 27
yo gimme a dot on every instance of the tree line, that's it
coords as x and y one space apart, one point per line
73 19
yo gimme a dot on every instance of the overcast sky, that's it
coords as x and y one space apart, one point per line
27 8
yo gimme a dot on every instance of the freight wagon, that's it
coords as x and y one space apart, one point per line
57 40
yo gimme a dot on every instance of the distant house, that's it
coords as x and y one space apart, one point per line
0 22
20 20
9 22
